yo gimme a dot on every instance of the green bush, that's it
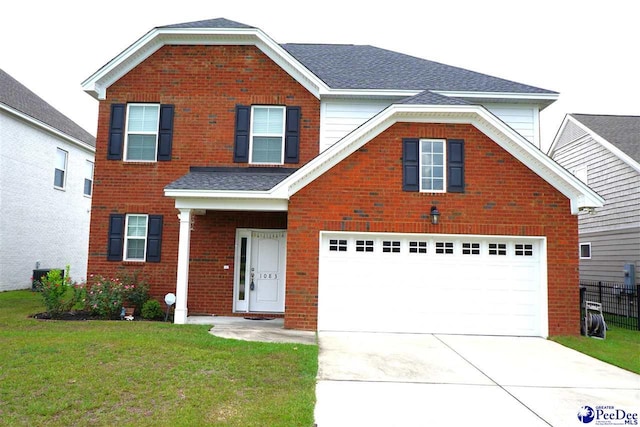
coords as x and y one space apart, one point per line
152 310
60 294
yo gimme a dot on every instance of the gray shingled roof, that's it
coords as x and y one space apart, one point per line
621 131
231 179
16 96
347 66
209 23
430 98
369 67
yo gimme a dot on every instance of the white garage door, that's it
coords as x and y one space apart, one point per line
429 283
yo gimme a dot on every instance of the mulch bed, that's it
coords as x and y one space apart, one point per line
69 315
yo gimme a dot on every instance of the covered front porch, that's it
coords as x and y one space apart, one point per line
232 243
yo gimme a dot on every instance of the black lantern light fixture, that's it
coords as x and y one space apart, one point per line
435 215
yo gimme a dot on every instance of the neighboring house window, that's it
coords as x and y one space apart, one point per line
148 129
581 173
88 179
60 175
142 132
267 134
585 250
433 165
134 237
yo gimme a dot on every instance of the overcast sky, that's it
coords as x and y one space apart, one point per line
586 50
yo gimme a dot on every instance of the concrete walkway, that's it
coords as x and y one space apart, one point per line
266 330
455 380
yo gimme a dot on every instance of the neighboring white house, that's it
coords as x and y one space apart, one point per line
604 152
46 179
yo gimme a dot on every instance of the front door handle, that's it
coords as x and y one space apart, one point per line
252 286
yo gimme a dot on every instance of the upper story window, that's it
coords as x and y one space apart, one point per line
88 178
432 165
142 132
267 134
60 174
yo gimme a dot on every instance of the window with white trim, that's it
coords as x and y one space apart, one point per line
141 143
60 173
135 242
585 250
267 134
432 165
88 178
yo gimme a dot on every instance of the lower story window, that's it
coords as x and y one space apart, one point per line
135 243
585 250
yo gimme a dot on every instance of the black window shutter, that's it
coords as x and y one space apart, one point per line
165 132
116 131
292 136
241 145
116 237
154 238
410 164
455 166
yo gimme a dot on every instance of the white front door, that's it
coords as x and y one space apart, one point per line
260 267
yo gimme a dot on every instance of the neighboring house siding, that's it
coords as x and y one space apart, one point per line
571 132
522 118
339 117
37 222
610 177
364 193
609 252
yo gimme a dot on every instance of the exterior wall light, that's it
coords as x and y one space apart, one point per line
435 215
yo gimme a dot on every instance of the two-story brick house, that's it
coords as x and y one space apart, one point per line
342 187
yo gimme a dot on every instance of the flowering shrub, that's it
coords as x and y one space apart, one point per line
136 291
59 293
107 296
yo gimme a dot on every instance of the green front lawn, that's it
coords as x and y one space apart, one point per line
621 347
60 373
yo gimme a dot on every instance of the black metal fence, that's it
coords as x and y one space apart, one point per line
619 303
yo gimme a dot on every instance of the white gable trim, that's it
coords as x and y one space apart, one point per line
97 83
581 196
606 144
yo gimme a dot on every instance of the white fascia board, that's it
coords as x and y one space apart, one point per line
48 128
368 93
556 139
581 195
510 96
606 144
97 84
219 200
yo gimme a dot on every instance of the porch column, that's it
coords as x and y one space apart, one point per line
182 281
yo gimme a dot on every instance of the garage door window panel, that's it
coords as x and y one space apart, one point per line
337 245
364 245
389 246
524 249
498 249
416 247
471 249
445 248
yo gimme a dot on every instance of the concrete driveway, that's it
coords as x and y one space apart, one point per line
373 379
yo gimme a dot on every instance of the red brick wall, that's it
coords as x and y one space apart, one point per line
205 83
364 193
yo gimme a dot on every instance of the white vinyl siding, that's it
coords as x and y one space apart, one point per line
524 119
340 117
